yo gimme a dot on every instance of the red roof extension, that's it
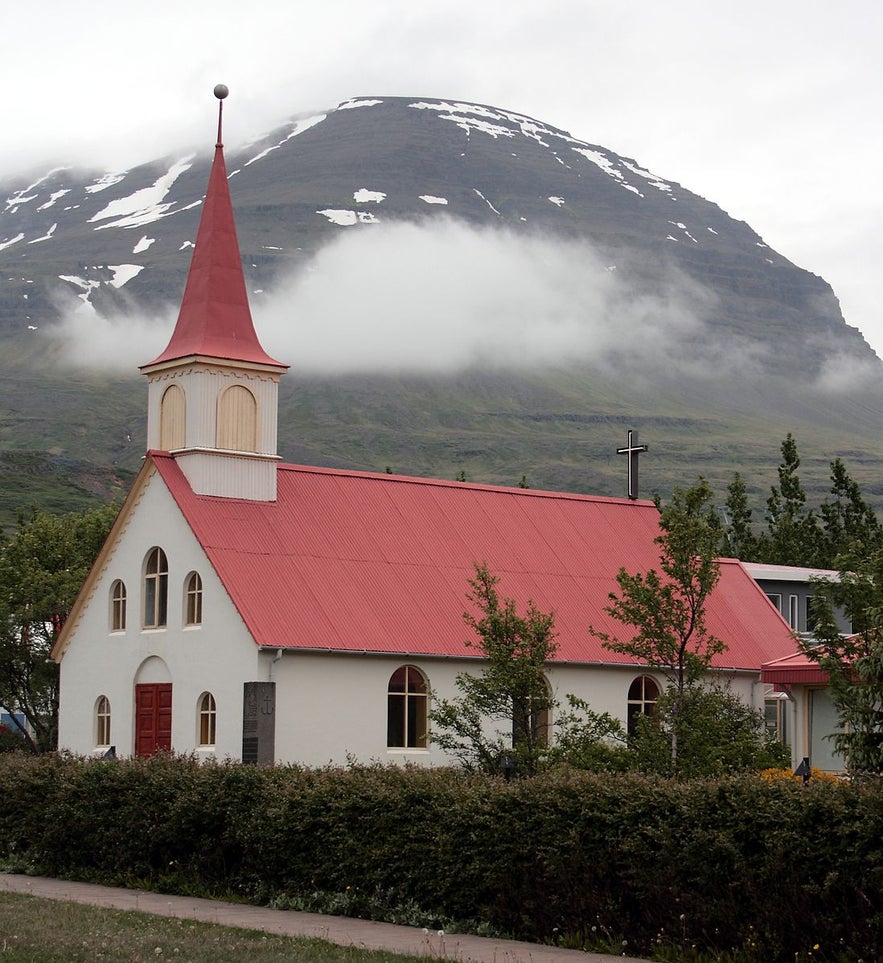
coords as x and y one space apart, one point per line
215 319
351 561
794 669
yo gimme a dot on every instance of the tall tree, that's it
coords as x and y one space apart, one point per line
794 536
42 567
665 609
503 713
853 662
850 525
739 539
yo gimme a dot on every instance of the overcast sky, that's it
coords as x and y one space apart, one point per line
769 108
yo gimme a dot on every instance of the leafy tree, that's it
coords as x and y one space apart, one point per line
854 662
42 567
739 540
716 732
850 524
666 609
511 693
794 536
586 739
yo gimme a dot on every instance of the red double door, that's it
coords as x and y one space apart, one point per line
153 718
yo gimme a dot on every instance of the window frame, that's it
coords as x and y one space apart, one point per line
102 722
193 597
206 722
119 598
407 711
640 705
155 608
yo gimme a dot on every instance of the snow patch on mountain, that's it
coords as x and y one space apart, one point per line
144 205
299 127
348 218
350 104
363 195
432 199
143 244
46 236
11 240
122 273
53 197
103 182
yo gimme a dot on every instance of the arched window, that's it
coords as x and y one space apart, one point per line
118 606
531 723
156 589
193 599
207 720
643 693
102 722
237 419
171 419
406 709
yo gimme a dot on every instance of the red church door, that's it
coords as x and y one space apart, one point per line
153 718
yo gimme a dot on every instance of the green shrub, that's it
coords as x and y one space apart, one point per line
767 868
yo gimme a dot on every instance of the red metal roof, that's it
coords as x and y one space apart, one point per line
796 668
353 561
215 319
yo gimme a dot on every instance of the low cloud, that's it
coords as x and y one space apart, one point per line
440 297
443 296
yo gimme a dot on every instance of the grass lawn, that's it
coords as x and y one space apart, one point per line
34 930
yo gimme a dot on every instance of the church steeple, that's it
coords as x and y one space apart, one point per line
212 394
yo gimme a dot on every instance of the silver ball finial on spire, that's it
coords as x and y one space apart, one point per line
221 91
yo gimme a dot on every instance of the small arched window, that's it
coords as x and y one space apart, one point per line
237 419
102 722
156 589
118 606
207 720
193 599
643 693
171 419
407 702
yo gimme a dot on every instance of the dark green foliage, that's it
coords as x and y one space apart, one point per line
510 693
739 540
854 663
42 567
717 734
766 867
794 536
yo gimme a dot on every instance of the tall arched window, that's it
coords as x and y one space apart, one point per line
237 419
407 723
102 722
531 722
171 419
193 599
156 589
118 606
207 720
643 693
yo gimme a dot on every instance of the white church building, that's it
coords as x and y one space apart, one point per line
250 609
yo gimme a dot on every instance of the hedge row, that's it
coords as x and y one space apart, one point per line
731 863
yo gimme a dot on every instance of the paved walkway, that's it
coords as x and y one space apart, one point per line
334 929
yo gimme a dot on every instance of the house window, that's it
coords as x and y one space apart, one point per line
793 612
810 615
207 721
193 599
407 705
643 693
118 606
776 599
538 720
102 722
156 589
775 712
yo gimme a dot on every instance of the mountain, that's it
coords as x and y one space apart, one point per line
667 315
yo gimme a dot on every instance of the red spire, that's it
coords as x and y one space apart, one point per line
215 319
